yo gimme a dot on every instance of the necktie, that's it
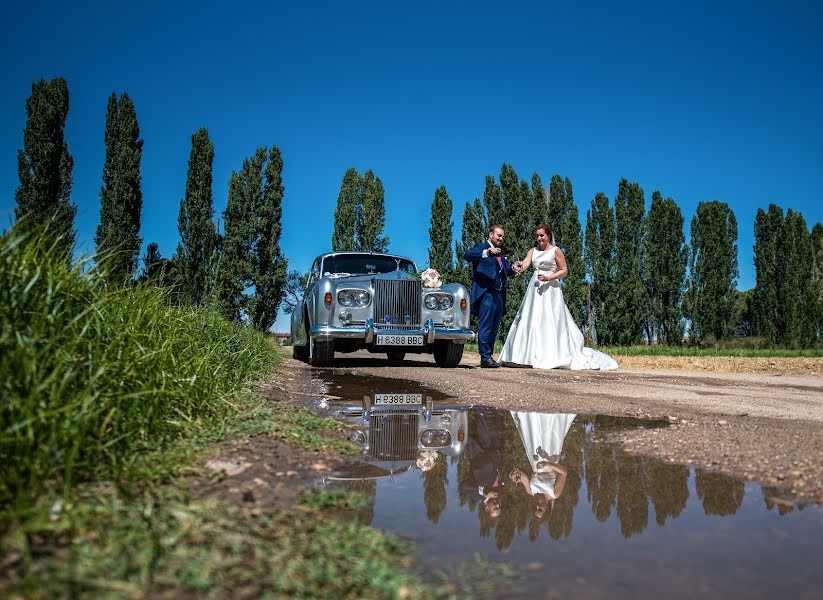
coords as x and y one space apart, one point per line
499 262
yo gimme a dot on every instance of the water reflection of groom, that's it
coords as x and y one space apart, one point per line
483 447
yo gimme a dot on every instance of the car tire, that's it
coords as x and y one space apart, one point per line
321 354
300 353
395 355
447 354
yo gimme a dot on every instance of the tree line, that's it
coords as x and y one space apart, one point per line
633 278
632 275
240 271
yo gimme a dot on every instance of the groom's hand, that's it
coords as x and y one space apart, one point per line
494 250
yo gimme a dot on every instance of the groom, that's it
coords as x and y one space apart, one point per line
489 285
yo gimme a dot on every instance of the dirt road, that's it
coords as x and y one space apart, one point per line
760 427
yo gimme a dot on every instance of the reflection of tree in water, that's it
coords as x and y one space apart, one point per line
435 481
601 477
721 495
632 499
617 479
614 480
771 498
668 488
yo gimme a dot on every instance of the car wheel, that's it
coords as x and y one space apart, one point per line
321 354
300 353
395 355
447 354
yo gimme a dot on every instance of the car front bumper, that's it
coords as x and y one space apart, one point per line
429 331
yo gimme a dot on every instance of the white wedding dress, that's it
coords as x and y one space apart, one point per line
542 436
544 334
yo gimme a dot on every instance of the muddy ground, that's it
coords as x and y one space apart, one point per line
764 425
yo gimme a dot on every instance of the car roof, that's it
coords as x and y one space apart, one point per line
358 252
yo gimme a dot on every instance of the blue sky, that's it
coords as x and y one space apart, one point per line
703 101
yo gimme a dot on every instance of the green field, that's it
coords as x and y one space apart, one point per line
739 348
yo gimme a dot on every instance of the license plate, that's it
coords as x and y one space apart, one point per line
398 399
391 339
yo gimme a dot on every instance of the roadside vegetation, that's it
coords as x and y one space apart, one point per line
741 349
112 396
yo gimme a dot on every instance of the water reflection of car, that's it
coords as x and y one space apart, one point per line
360 300
392 429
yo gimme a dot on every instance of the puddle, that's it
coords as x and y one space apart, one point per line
572 514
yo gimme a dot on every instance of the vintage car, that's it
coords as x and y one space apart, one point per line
364 300
394 429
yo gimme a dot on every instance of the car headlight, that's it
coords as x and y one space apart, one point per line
361 299
345 299
446 302
435 437
431 302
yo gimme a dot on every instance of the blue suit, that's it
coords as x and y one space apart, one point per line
490 282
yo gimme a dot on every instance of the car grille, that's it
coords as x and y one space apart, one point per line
397 299
383 326
393 435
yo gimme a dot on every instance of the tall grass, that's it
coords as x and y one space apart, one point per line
93 373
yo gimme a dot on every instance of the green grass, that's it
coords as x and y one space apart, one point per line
743 347
95 374
343 499
146 533
719 351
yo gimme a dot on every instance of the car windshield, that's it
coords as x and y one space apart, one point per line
365 263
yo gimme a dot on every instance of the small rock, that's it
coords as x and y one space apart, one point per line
229 467
248 496
722 422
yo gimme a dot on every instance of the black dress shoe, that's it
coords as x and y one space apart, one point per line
489 364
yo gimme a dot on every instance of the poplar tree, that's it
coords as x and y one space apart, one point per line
493 202
712 271
152 261
517 222
121 199
270 266
557 206
665 256
440 233
236 267
630 294
44 165
372 218
599 263
817 280
797 290
540 202
343 237
252 271
360 216
198 237
473 231
766 314
571 242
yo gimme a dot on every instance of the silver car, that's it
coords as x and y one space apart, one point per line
361 300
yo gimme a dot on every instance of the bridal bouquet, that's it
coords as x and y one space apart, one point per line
431 279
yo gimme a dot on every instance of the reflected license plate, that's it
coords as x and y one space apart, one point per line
391 339
398 399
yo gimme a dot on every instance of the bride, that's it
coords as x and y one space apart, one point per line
544 334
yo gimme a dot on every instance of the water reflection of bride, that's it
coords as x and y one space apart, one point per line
542 436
